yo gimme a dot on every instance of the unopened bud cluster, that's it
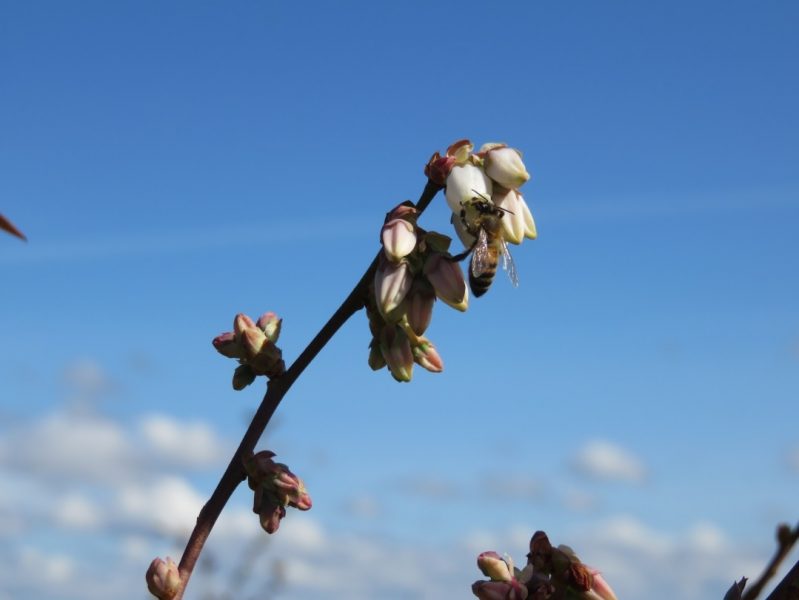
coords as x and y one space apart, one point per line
413 269
253 344
275 487
494 173
550 574
163 578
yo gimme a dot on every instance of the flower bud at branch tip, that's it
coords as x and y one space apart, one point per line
398 238
241 323
426 356
270 324
396 350
163 578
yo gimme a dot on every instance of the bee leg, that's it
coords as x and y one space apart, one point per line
464 254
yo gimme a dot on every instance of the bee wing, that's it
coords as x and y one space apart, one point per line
480 259
508 265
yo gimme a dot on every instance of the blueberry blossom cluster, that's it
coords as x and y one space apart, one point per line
550 574
413 269
494 174
275 487
253 344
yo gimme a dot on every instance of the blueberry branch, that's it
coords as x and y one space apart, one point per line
276 390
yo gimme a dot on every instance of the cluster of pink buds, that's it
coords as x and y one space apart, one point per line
550 573
275 487
494 173
163 578
253 344
414 268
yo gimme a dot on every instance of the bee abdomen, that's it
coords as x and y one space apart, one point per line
480 283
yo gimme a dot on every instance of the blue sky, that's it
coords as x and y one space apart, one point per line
173 165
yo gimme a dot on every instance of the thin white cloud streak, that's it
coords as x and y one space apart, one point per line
284 232
606 461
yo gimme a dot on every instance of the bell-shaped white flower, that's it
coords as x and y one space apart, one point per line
466 238
392 282
465 183
399 239
529 224
513 224
504 165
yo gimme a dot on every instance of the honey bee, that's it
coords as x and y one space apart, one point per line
481 219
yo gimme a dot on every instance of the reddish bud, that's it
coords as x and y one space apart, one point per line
426 356
419 303
396 350
227 345
163 578
270 324
241 323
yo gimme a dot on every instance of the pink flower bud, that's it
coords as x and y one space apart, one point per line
163 578
420 306
513 224
241 323
270 517
392 282
398 238
499 590
376 360
447 280
465 183
495 567
270 324
242 377
252 340
426 356
504 165
396 350
600 587
227 345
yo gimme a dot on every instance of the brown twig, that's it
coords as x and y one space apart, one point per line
788 588
786 538
276 389
9 227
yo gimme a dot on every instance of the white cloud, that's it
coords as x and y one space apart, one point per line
168 506
69 447
193 445
606 461
82 447
77 511
641 562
